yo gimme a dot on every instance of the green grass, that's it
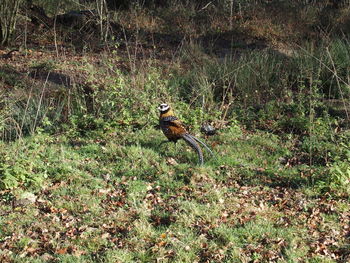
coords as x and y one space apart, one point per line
110 199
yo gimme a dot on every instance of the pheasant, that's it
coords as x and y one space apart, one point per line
174 130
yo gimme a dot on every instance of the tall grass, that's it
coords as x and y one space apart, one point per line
257 77
250 80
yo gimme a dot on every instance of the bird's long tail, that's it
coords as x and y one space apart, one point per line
205 146
193 143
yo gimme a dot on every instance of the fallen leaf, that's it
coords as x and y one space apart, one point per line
61 251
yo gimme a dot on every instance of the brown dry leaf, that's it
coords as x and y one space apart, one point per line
105 235
31 250
260 169
61 251
103 191
161 244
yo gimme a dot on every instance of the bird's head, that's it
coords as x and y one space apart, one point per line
163 107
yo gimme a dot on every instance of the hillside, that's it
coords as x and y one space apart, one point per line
84 176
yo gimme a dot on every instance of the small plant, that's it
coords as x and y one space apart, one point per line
338 179
24 168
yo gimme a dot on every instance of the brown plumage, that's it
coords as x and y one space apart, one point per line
174 130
